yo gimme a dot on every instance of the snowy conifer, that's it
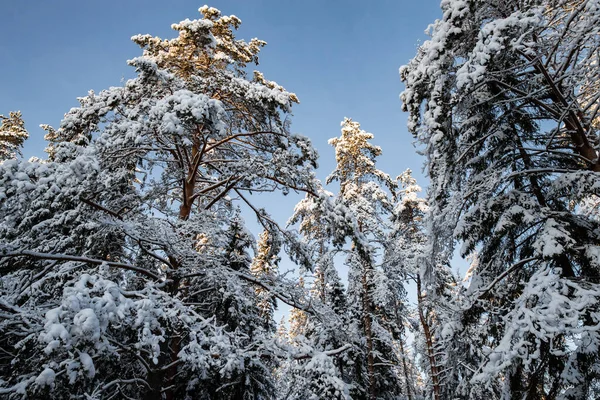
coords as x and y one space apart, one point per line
362 191
12 135
502 98
264 267
124 263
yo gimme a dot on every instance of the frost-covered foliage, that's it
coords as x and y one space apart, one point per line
264 267
503 98
12 135
404 262
373 369
316 378
124 261
364 319
324 226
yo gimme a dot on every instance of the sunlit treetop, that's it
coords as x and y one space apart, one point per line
205 46
355 157
12 135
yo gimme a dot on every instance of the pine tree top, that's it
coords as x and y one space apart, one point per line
12 135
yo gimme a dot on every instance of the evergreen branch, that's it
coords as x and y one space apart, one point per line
94 261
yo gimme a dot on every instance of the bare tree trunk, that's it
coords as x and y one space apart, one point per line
186 203
367 321
405 367
434 372
367 311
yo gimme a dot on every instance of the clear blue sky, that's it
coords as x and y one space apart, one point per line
340 57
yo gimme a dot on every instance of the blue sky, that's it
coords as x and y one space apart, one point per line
340 57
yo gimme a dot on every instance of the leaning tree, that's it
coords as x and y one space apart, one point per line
504 99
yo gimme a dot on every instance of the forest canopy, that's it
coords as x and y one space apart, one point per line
128 268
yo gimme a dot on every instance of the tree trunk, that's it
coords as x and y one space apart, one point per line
408 391
186 202
573 120
165 379
367 321
156 377
434 372
367 311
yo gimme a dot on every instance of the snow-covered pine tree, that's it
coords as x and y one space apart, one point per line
326 377
316 374
406 261
264 267
325 234
297 320
123 260
234 305
12 135
503 98
362 192
404 254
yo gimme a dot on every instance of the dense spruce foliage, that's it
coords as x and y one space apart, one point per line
504 99
127 269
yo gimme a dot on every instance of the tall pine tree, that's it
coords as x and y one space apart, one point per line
124 265
362 191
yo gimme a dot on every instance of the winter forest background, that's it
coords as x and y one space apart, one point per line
152 241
